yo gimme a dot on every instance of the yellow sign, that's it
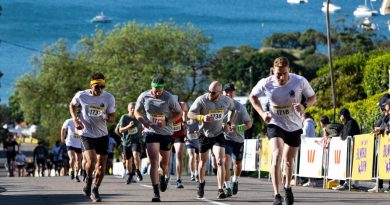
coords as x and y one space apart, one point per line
266 156
384 157
363 154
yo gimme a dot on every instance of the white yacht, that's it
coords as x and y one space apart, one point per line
364 11
332 7
101 18
297 1
367 25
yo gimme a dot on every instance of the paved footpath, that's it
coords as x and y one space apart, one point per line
61 190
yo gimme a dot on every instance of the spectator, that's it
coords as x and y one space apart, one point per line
20 160
351 128
11 147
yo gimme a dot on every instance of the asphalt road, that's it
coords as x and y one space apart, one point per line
61 190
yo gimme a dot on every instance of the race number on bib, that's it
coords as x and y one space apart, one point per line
157 118
217 114
176 127
282 111
133 130
95 111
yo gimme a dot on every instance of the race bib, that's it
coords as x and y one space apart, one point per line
133 130
176 127
157 118
282 111
217 114
95 111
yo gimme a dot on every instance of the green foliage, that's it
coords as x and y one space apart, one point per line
366 112
347 78
376 74
129 56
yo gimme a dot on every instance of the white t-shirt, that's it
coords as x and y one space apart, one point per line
71 139
281 98
93 112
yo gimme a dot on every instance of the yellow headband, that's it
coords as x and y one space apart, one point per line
97 81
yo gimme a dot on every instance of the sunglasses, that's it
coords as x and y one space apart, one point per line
213 93
100 87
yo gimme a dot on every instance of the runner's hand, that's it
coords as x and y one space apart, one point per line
208 118
298 107
266 117
79 125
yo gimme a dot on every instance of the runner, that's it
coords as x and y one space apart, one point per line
235 141
40 157
11 147
161 109
97 108
110 155
73 145
131 130
192 145
179 128
209 110
21 162
284 91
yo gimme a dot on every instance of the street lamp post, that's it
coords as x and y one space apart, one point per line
330 59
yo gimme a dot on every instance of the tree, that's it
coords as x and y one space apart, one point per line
376 74
129 56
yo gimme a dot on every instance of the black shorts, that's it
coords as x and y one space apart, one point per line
166 141
41 161
77 150
110 155
127 152
179 139
293 139
20 166
100 145
234 149
206 143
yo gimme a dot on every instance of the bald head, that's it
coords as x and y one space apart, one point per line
215 89
215 86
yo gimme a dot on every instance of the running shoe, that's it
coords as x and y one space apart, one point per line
145 170
234 188
77 179
95 196
179 185
192 177
278 200
87 187
139 175
71 175
156 197
196 178
228 192
221 194
289 198
163 183
201 189
129 179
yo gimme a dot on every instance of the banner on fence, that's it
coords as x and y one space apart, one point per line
249 159
337 166
265 156
363 154
310 162
384 157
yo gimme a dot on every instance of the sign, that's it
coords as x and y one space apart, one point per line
311 154
249 158
265 156
337 163
384 157
363 154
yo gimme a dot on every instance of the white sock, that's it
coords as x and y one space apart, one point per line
227 184
235 178
196 172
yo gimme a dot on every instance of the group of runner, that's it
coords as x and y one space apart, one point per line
215 121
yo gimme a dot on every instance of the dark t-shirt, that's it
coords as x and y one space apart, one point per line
350 128
11 148
133 135
40 153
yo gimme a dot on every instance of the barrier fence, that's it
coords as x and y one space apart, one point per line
352 159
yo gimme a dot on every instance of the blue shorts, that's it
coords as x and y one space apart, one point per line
234 149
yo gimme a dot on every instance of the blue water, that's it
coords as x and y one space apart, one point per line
39 23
